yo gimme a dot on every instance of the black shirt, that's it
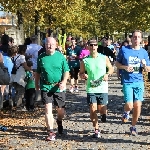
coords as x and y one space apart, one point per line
42 50
106 51
4 48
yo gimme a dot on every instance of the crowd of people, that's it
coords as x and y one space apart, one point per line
47 68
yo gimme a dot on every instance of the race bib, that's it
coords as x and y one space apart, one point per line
72 58
95 83
136 67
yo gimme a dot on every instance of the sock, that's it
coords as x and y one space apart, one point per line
59 123
96 130
127 112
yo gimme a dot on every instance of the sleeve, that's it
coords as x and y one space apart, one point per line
65 65
38 65
81 54
146 57
110 53
22 59
120 56
78 52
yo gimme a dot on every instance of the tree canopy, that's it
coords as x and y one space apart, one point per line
83 17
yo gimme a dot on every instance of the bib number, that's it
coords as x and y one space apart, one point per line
95 83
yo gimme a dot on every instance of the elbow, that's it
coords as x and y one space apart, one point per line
117 64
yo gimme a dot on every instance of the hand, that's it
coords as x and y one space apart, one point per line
83 76
73 55
1 57
143 62
105 78
129 69
62 85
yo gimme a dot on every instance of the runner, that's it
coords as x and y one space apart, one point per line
97 83
131 59
73 53
52 72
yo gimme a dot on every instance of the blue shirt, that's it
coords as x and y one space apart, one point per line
73 62
130 57
8 63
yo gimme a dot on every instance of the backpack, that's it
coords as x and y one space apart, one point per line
4 76
15 68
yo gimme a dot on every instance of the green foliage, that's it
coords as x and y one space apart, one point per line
84 17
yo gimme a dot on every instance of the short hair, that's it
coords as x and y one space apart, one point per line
12 50
22 49
29 63
34 38
137 31
11 39
27 41
5 39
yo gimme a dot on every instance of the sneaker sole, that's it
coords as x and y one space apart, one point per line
50 139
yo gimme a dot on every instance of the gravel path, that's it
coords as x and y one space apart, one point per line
27 130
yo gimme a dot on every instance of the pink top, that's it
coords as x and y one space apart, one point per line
84 53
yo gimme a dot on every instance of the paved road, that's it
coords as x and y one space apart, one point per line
27 130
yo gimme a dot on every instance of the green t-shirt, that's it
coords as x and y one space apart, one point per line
30 81
96 69
51 69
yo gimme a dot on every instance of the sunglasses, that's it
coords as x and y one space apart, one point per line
93 44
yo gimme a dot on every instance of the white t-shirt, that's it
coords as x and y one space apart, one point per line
20 59
33 49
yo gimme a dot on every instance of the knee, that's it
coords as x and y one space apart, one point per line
93 109
129 106
137 105
48 110
60 111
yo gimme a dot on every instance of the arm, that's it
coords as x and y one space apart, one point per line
37 75
24 65
82 71
119 60
65 76
119 65
28 56
145 62
37 79
65 69
109 66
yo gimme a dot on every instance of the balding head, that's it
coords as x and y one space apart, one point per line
50 45
50 40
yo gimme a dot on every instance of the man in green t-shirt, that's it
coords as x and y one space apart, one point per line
52 72
97 83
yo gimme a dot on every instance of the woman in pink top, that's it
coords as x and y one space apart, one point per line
84 52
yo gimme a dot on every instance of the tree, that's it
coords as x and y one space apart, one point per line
84 17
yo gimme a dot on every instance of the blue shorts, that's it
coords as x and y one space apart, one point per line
99 98
133 91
